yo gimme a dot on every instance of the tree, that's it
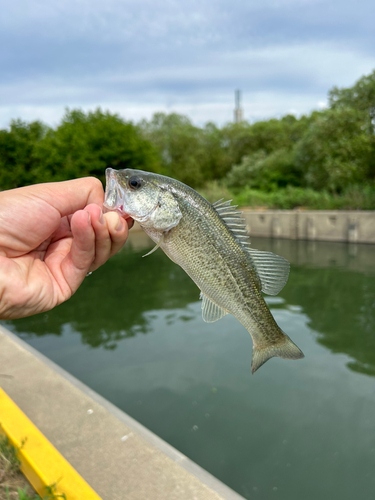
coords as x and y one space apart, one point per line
86 144
336 151
179 144
17 160
360 97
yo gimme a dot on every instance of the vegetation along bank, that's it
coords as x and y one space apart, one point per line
324 160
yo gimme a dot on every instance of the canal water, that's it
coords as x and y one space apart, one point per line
295 429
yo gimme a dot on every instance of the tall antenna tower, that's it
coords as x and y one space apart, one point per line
238 111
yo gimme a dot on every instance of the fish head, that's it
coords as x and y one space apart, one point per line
143 196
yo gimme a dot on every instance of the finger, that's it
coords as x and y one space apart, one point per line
69 196
31 214
118 230
103 241
77 263
63 230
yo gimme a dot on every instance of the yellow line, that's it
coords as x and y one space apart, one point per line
41 463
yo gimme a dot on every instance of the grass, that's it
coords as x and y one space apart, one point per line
13 484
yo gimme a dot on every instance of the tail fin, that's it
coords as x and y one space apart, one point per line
284 349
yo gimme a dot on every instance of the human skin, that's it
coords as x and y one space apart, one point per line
51 236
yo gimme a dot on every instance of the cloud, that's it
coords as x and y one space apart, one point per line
144 55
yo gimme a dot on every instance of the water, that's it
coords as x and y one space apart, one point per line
296 429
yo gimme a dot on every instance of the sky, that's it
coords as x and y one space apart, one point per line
137 57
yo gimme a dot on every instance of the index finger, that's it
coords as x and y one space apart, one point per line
69 196
31 214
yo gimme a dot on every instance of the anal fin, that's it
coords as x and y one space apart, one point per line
211 312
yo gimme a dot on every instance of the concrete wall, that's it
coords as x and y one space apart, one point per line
351 226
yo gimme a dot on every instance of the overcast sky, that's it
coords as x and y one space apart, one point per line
136 57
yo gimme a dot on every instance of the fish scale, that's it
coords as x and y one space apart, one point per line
210 243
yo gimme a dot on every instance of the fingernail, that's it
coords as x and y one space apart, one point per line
120 224
101 218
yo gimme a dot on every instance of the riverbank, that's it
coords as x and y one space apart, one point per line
118 457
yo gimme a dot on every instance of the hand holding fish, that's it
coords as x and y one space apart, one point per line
51 236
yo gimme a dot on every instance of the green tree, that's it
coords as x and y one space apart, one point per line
86 144
217 159
179 144
360 97
336 151
18 164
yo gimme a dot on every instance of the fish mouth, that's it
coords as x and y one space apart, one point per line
114 193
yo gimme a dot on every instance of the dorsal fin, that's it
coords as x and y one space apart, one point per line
273 270
233 220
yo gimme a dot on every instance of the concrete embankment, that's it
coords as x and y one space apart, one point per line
118 457
351 226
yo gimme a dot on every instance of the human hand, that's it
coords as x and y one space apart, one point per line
51 236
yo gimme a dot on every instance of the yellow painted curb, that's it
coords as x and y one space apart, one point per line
41 463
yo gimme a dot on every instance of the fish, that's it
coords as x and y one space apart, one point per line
211 244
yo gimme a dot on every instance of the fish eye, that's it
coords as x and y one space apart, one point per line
134 183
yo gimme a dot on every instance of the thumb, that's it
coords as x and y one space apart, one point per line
76 264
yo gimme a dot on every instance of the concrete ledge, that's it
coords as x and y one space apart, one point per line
117 456
41 463
336 225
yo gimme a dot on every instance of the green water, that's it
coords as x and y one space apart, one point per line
296 429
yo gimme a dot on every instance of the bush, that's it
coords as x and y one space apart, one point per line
265 172
356 197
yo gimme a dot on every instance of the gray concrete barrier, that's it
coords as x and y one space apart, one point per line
351 226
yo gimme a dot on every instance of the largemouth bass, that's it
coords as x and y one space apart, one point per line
210 243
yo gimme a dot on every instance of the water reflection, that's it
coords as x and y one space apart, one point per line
113 302
332 283
341 308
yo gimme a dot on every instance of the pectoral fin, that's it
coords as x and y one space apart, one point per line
155 247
